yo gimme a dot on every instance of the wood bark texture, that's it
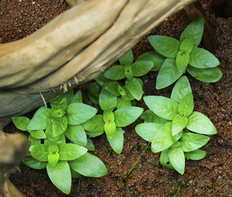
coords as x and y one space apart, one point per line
73 48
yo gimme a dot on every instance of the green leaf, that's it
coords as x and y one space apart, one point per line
40 120
71 151
177 159
116 142
39 134
186 105
153 56
53 159
167 74
192 141
108 116
21 122
51 139
186 45
128 96
59 125
141 68
181 88
135 88
39 152
107 100
150 116
76 134
33 140
94 90
127 58
112 87
166 46
128 71
57 113
115 73
77 98
162 139
147 131
121 103
53 148
74 174
33 163
110 128
89 165
125 116
194 31
195 155
182 60
60 175
201 58
78 113
101 80
209 75
162 106
178 124
90 145
199 123
164 159
94 124
60 102
69 96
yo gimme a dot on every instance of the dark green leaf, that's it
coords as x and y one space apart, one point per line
209 75
195 155
199 123
125 116
107 100
90 145
21 122
116 142
127 58
178 124
141 68
69 96
101 80
51 139
40 120
150 116
78 113
60 175
192 141
76 134
147 131
94 124
177 159
162 106
60 102
77 98
121 103
164 159
71 151
112 87
39 152
115 73
194 31
181 88
182 60
186 105
33 163
166 46
153 56
59 125
167 74
135 88
94 90
89 165
128 71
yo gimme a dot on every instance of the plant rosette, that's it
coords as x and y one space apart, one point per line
111 121
62 122
168 123
184 55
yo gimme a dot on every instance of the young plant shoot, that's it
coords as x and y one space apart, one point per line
185 55
57 125
169 124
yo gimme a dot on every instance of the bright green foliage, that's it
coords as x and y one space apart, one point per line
62 121
167 125
184 55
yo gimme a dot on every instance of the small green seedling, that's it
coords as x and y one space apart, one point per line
57 125
112 121
184 55
168 124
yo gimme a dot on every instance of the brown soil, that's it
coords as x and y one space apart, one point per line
213 174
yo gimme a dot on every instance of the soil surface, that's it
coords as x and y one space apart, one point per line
211 176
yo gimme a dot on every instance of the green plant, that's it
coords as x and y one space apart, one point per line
62 150
168 124
184 55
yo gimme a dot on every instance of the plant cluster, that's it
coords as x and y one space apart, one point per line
60 135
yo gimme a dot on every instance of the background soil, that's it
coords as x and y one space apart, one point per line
211 176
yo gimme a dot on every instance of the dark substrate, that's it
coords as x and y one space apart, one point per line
212 174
